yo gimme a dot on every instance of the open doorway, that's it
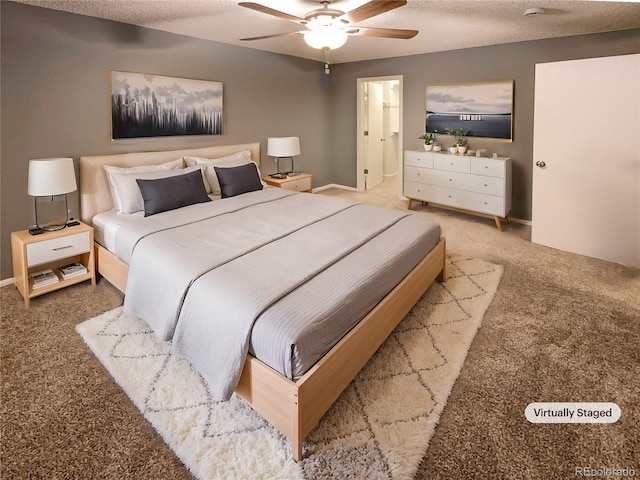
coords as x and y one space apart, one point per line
379 127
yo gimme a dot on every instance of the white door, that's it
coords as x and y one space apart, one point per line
373 143
586 155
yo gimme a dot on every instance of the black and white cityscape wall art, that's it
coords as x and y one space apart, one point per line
144 105
481 109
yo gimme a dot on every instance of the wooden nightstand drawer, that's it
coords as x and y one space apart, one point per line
33 254
57 248
301 185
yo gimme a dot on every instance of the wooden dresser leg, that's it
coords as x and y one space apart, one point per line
498 224
410 202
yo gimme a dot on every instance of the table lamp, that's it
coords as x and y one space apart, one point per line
50 179
283 147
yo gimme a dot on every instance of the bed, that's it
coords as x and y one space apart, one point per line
293 402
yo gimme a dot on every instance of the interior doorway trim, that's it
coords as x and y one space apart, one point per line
360 115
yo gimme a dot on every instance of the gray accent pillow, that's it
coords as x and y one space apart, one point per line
169 193
238 180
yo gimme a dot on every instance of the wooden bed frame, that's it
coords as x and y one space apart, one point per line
294 408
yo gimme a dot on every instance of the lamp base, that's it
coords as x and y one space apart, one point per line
278 175
53 228
51 212
293 174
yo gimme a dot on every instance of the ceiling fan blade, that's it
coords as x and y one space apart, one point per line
371 9
382 32
270 11
275 35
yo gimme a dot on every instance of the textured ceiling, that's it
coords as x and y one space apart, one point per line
443 25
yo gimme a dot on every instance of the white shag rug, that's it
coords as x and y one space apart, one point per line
379 428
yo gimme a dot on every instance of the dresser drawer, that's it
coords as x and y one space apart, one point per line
489 204
418 159
475 202
301 185
417 174
452 163
451 197
488 166
460 181
418 191
480 184
441 195
57 248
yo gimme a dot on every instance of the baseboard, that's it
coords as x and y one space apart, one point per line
6 281
334 185
520 220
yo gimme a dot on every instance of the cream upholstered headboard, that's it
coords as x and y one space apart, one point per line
95 196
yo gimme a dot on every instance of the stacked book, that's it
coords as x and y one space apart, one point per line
44 278
72 270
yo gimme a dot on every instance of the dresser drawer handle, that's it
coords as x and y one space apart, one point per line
62 248
451 179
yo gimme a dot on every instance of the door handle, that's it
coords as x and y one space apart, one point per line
540 164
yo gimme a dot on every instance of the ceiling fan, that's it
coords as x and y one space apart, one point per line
328 28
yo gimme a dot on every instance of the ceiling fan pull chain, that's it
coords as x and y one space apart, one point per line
327 70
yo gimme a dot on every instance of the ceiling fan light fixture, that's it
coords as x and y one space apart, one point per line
322 21
326 37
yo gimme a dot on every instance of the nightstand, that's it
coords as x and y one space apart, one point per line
51 250
299 183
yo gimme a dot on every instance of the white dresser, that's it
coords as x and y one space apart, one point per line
472 184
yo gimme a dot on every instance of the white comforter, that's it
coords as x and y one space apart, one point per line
211 278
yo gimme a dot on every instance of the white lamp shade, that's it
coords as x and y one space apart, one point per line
283 146
326 37
51 176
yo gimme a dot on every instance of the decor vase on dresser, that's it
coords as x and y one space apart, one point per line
471 184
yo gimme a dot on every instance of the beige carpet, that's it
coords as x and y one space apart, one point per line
562 327
379 428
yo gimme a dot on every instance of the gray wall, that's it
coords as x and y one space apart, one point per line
55 97
515 61
56 87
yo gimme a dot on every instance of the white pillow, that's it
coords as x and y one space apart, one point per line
179 163
235 160
128 191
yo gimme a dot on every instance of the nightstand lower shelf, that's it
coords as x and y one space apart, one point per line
51 250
